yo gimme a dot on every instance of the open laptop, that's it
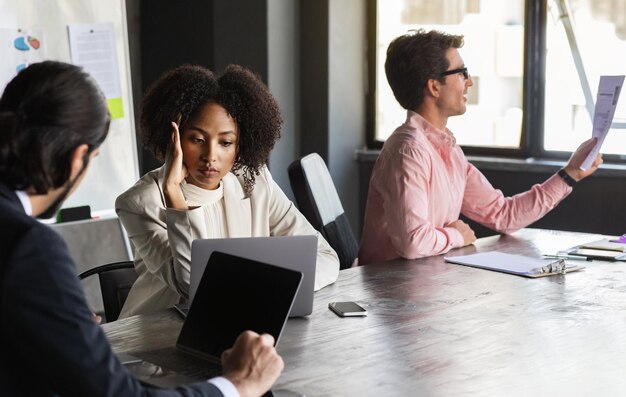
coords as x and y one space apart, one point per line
235 294
290 252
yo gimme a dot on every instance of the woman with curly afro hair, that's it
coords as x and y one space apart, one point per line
214 135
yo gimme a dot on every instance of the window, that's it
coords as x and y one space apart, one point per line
584 40
535 66
493 53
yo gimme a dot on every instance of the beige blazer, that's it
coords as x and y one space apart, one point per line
162 236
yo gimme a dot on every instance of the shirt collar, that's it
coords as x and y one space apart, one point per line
436 136
23 196
197 196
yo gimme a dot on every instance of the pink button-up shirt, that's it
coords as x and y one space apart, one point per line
422 181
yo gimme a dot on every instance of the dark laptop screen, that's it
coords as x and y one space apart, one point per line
236 294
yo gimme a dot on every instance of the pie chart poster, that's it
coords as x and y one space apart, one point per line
18 49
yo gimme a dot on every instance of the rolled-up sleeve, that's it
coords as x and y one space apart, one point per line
488 206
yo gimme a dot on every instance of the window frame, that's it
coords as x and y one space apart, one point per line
533 90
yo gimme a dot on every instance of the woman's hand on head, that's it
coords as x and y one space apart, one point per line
175 172
578 157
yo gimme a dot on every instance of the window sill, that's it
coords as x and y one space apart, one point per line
532 164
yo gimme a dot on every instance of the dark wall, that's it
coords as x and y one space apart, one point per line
596 205
314 19
240 35
174 32
171 33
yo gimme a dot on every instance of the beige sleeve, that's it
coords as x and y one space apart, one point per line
162 238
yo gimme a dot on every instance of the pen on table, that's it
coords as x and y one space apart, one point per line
573 257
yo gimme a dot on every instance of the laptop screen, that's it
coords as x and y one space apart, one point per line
234 295
298 253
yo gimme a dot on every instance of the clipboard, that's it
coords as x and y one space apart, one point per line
515 264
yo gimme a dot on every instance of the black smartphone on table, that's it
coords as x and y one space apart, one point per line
347 309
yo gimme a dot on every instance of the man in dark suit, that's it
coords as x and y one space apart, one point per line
52 120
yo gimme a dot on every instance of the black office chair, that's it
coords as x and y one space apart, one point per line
116 279
317 199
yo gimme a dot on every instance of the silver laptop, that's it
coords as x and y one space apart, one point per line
291 252
235 294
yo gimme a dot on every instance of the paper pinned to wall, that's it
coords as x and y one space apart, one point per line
92 46
117 167
19 48
609 89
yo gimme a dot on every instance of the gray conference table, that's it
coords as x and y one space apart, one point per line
438 329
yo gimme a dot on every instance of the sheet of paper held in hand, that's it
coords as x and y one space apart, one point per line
606 102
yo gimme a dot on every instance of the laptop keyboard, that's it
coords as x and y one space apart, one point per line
186 364
202 372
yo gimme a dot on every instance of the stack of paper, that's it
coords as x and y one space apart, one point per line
605 245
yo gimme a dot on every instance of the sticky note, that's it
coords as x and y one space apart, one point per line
116 108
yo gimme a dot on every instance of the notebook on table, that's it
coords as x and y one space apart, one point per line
596 254
515 264
298 253
605 245
604 249
235 294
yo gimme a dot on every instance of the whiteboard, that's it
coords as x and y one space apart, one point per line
116 168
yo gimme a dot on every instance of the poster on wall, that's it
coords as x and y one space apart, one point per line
92 46
19 48
103 53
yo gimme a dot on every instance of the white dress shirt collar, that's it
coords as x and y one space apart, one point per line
23 196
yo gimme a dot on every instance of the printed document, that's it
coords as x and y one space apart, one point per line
606 102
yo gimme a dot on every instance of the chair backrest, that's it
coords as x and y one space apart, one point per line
95 242
116 279
317 199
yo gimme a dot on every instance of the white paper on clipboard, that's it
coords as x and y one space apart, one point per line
606 102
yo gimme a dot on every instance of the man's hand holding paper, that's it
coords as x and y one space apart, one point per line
606 102
574 165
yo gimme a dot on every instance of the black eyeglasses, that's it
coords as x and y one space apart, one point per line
464 71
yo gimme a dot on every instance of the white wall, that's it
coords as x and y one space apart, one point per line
347 88
283 81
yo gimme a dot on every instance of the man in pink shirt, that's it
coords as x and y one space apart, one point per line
422 181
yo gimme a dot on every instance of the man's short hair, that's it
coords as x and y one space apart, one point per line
415 58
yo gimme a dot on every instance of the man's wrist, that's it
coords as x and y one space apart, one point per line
225 385
567 178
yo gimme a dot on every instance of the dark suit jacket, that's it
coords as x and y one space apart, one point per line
49 345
